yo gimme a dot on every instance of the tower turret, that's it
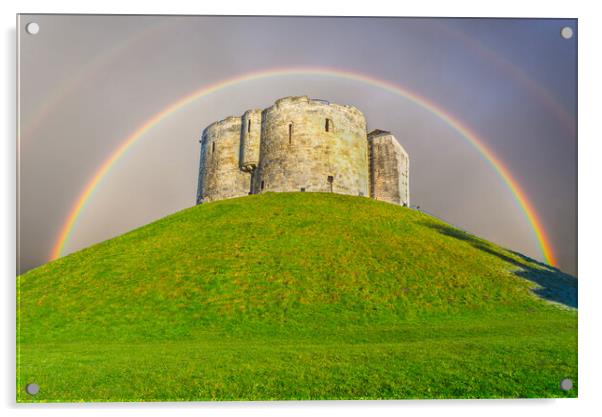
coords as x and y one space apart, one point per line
220 175
250 139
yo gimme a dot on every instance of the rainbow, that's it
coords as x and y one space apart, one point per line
204 91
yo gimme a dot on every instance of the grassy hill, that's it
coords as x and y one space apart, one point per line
295 296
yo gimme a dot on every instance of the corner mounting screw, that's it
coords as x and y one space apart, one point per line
32 389
566 384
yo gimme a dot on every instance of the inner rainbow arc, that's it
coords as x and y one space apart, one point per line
518 194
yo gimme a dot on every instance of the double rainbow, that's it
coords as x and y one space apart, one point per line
204 91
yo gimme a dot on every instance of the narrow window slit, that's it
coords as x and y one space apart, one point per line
330 180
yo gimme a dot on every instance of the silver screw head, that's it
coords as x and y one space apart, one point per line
566 32
32 389
32 28
566 384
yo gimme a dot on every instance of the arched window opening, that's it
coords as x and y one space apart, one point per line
262 185
290 133
213 147
249 126
328 125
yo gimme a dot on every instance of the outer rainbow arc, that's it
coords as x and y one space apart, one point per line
70 82
518 74
470 136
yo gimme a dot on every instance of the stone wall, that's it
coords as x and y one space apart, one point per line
220 175
389 169
312 145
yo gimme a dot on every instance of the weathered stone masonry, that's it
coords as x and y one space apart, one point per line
301 144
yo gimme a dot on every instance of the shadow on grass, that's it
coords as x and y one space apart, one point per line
554 285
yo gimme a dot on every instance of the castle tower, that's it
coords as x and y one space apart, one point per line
220 175
389 169
312 145
301 144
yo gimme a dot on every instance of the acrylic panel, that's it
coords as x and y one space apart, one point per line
296 208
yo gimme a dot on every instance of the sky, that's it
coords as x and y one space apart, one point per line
87 82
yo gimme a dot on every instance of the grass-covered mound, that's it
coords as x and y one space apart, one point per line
295 296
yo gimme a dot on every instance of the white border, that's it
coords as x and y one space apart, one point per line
590 204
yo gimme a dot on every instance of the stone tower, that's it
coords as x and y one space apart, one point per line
389 168
301 144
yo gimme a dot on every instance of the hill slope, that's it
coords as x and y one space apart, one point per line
295 295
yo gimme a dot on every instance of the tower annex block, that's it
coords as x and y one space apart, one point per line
301 144
389 168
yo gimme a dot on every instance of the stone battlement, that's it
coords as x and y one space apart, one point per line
301 144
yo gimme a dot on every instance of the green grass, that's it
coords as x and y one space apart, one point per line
295 296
